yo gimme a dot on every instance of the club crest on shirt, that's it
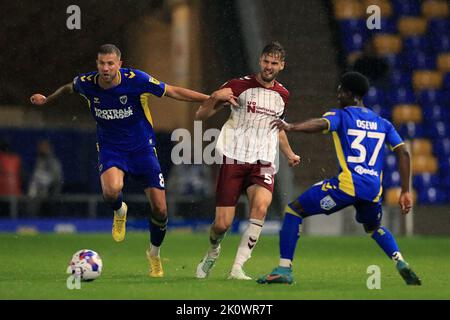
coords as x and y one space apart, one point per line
327 203
123 99
96 100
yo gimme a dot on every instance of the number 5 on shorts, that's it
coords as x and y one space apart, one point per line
268 178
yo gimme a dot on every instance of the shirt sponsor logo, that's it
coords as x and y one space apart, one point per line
112 114
327 203
362 171
253 108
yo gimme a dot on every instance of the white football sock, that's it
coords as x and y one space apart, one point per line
121 211
154 251
248 242
285 263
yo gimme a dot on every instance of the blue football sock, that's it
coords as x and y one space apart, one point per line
157 231
386 241
289 233
115 204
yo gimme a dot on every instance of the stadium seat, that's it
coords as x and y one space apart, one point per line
385 6
400 78
401 95
438 129
435 112
411 130
406 8
438 26
412 26
427 79
391 179
432 195
387 25
353 41
421 147
348 9
425 180
392 196
446 82
374 96
352 25
441 42
404 113
442 147
387 44
422 164
390 162
416 43
397 62
445 182
430 97
443 62
420 60
435 9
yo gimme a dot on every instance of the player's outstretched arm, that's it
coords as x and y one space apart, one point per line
309 126
40 99
215 102
293 159
403 160
184 94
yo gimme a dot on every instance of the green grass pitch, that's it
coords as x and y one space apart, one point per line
33 267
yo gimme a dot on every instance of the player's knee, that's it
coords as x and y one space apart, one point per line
370 228
111 195
258 212
159 211
221 226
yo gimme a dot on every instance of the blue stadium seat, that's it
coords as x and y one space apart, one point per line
388 25
406 8
446 82
411 130
353 41
426 180
417 43
397 62
441 147
430 97
400 78
444 164
441 43
420 60
432 196
390 163
352 25
399 95
438 129
445 182
391 179
435 112
439 26
375 96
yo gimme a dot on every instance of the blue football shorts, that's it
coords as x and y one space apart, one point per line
326 198
141 165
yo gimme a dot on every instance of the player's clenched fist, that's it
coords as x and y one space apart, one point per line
38 99
294 160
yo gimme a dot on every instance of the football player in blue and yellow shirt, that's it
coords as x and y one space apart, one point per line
118 101
359 136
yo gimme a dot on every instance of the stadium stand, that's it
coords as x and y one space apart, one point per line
414 39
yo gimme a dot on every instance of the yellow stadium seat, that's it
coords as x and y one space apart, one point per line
404 113
387 44
392 195
412 26
427 79
443 62
435 9
348 9
421 147
423 164
385 6
351 57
